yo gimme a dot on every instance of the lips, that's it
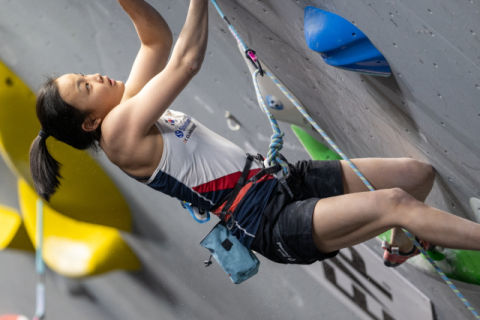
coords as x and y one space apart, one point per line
112 82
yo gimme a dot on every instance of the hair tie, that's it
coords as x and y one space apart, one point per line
43 134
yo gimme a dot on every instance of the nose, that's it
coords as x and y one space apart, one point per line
97 77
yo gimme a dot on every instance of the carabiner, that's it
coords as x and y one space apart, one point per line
250 54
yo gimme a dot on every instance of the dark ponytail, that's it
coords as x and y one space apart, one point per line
63 122
44 168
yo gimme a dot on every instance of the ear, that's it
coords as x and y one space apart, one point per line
91 124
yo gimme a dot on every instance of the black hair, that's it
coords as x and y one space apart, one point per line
62 121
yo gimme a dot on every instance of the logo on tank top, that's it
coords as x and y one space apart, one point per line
185 125
179 133
189 133
186 129
170 121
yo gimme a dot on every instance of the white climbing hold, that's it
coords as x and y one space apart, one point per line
232 122
475 204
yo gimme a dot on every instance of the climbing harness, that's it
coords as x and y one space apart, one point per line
238 262
226 212
40 265
276 145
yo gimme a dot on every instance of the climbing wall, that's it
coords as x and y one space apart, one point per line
427 110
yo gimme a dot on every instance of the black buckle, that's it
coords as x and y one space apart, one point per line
230 223
260 159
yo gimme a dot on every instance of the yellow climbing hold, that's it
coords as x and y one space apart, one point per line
12 231
73 248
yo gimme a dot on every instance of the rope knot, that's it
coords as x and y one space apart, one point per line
273 156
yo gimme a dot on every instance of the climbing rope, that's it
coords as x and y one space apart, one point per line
278 136
40 265
276 142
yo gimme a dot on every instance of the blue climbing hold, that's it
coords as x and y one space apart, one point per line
341 44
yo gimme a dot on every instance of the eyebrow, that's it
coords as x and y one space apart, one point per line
78 85
77 82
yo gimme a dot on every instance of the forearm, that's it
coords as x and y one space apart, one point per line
152 29
192 41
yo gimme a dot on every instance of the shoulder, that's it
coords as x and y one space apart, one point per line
126 146
116 124
118 132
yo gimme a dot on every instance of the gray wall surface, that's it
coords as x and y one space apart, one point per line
428 110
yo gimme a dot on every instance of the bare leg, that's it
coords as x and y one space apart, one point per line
414 177
347 220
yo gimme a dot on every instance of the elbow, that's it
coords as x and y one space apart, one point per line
168 39
162 42
192 66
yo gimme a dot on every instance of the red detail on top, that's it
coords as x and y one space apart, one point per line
239 197
222 183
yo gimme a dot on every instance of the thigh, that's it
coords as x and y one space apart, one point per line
289 239
410 175
319 179
347 220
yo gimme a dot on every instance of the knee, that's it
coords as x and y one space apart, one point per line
428 170
401 208
420 172
396 198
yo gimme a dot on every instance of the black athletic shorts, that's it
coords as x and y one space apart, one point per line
285 231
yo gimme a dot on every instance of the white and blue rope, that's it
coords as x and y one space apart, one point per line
276 141
276 145
232 29
39 264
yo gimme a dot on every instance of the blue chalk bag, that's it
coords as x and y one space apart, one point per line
238 262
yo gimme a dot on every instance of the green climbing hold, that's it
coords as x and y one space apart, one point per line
435 255
315 149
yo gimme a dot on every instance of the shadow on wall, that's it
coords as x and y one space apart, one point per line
396 112
148 279
388 95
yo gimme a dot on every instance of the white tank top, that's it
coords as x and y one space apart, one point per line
201 167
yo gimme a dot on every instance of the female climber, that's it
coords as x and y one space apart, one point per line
329 207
